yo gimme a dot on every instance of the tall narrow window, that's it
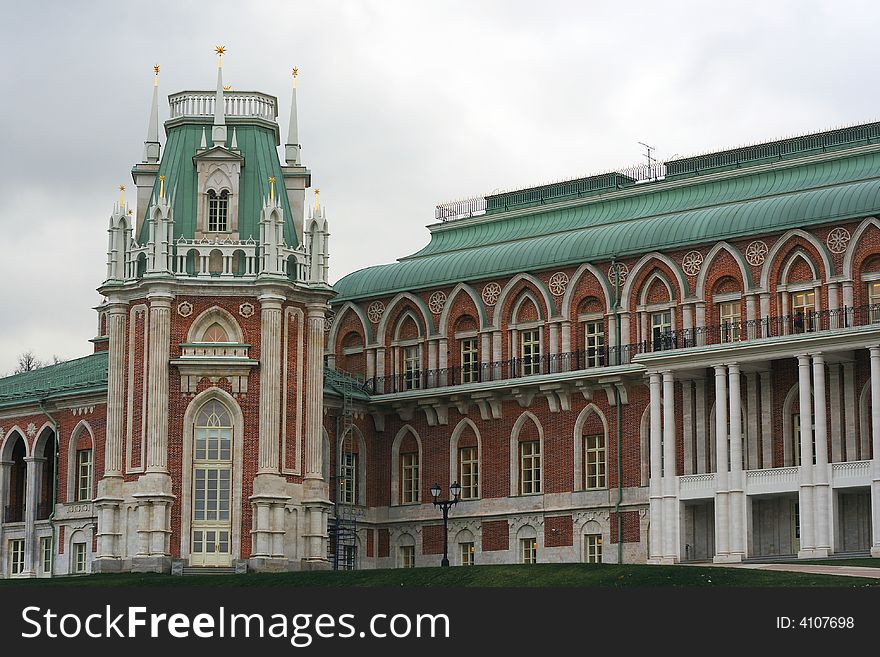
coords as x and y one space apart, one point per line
796 438
469 474
595 343
661 330
212 486
409 476
467 553
874 302
594 456
528 548
407 555
469 363
728 313
412 376
803 311
46 554
593 548
79 557
530 351
349 478
218 208
530 467
16 556
84 475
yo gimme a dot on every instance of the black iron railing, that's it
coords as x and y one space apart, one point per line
601 357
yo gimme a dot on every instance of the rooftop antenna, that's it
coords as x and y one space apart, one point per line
650 159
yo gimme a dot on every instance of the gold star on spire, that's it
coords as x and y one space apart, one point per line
227 87
295 71
220 50
121 196
156 70
317 193
272 188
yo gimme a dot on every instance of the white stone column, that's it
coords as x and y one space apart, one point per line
836 419
848 300
610 340
31 501
833 306
875 461
270 382
157 408
624 337
808 543
822 474
701 322
381 383
737 485
751 316
764 331
722 512
670 472
655 545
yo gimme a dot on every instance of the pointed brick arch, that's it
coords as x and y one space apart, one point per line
358 312
579 424
211 316
446 316
405 430
463 425
525 417
572 292
781 248
513 287
427 320
709 274
635 279
851 259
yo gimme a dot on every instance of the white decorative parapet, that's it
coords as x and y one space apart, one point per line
851 473
696 486
772 480
237 103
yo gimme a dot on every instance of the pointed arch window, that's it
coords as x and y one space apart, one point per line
215 333
218 211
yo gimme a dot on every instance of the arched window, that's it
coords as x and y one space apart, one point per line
17 473
212 486
218 209
215 333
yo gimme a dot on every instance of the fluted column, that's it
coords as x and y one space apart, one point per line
315 392
270 382
655 489
31 492
157 409
736 483
806 468
670 510
875 441
115 391
722 512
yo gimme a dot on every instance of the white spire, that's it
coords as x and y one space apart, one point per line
218 133
291 149
151 145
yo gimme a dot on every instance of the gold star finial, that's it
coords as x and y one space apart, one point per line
227 87
317 193
156 70
121 196
272 188
220 50
295 71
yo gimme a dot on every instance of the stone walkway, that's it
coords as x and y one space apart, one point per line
816 569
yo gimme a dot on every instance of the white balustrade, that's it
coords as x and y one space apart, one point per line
851 473
235 103
695 486
772 480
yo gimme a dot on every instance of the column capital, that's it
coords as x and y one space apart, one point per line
160 298
733 367
270 301
116 307
875 351
316 308
803 359
818 358
720 370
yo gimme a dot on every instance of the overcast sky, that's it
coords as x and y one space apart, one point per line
402 105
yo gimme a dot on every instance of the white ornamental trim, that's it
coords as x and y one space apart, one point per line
374 312
328 320
184 309
2 433
692 263
622 272
491 292
756 252
246 310
31 429
837 240
557 284
437 301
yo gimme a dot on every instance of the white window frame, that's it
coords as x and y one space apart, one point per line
349 478
79 557
729 318
84 470
469 472
592 548
409 478
406 556
809 318
216 203
796 438
16 556
470 359
654 337
531 462
530 351
46 554
466 552
412 366
595 341
874 300
528 550
600 452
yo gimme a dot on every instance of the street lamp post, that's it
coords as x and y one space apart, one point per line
445 505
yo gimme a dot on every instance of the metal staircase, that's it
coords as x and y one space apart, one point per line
343 526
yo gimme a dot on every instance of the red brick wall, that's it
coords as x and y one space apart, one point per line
432 539
630 527
496 535
558 531
384 543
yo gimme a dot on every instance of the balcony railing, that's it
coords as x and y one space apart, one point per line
236 103
603 357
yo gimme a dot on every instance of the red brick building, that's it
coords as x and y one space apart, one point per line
664 364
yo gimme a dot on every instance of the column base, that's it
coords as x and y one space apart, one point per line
314 564
807 554
727 558
875 551
271 565
156 564
107 565
821 553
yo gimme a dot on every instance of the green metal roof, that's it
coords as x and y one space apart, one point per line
256 144
336 381
652 216
87 374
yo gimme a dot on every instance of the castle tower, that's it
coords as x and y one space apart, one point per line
216 311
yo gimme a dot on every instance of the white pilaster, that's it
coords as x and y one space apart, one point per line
157 409
670 472
701 430
754 456
875 462
808 541
722 512
766 421
836 412
655 546
850 413
822 474
270 382
687 418
737 485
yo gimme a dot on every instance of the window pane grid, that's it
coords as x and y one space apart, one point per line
530 467
594 454
407 556
469 364
79 557
409 464
529 550
469 475
595 343
466 550
874 302
411 369
661 330
803 309
217 211
16 556
348 482
530 350
729 314
84 475
593 548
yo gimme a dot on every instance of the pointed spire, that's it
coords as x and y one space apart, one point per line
204 142
151 145
291 149
122 198
218 133
234 144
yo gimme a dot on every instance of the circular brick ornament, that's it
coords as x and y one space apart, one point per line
374 312
491 293
558 283
692 263
437 301
246 310
838 240
620 269
184 309
756 252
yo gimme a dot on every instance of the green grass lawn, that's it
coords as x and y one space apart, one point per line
539 575
868 562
